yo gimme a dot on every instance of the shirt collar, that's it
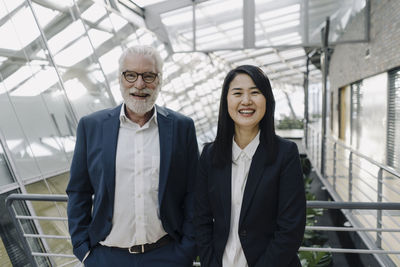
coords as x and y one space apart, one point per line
124 119
248 151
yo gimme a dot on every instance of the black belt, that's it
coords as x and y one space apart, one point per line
138 249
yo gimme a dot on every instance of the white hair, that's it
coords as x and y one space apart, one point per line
145 51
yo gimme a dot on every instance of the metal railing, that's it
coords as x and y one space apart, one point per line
350 176
70 260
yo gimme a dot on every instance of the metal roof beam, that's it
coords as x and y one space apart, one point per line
171 5
153 23
248 24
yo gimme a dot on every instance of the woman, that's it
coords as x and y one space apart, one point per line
250 200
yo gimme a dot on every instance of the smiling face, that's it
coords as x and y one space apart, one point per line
139 96
246 103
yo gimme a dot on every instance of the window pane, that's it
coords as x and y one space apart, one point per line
36 118
83 81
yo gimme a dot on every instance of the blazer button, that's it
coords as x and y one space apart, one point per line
243 233
109 219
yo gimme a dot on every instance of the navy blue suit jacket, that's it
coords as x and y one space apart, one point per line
272 216
93 174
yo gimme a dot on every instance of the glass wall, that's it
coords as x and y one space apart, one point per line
369 116
58 63
34 114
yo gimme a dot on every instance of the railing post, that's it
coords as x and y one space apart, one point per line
379 212
313 145
334 166
318 154
350 176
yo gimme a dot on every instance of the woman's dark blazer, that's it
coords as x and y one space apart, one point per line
273 212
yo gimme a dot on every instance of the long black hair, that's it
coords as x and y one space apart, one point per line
222 152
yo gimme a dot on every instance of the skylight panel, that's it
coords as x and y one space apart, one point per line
74 89
9 7
117 21
237 23
281 26
282 19
74 53
27 30
44 15
205 31
287 39
218 7
109 61
94 13
19 76
180 16
37 84
293 53
276 13
98 37
73 31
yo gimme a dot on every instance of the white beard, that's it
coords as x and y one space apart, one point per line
138 106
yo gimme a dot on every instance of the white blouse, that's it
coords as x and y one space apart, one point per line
233 254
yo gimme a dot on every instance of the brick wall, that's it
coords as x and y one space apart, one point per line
349 62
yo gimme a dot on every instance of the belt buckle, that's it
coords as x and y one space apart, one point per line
136 252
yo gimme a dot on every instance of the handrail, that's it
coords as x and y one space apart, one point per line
354 205
346 180
310 204
342 144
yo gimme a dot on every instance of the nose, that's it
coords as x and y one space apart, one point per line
246 99
139 83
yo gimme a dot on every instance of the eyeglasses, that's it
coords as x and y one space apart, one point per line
132 76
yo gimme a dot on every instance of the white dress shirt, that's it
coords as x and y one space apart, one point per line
233 254
136 217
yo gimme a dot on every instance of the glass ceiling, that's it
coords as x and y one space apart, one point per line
199 40
275 35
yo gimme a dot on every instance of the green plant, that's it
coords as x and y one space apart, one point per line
313 238
289 123
315 259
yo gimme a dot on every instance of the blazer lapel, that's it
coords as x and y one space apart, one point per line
257 166
110 138
224 176
165 129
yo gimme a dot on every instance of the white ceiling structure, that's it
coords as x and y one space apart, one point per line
200 40
275 35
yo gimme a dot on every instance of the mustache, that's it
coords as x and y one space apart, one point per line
134 90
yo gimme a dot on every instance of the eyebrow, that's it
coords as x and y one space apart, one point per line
239 88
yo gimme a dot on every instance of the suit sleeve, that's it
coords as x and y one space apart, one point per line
291 216
204 221
192 152
79 191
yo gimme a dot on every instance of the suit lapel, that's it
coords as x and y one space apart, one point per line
165 129
110 138
255 173
224 176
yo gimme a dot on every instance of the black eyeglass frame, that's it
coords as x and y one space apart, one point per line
139 74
